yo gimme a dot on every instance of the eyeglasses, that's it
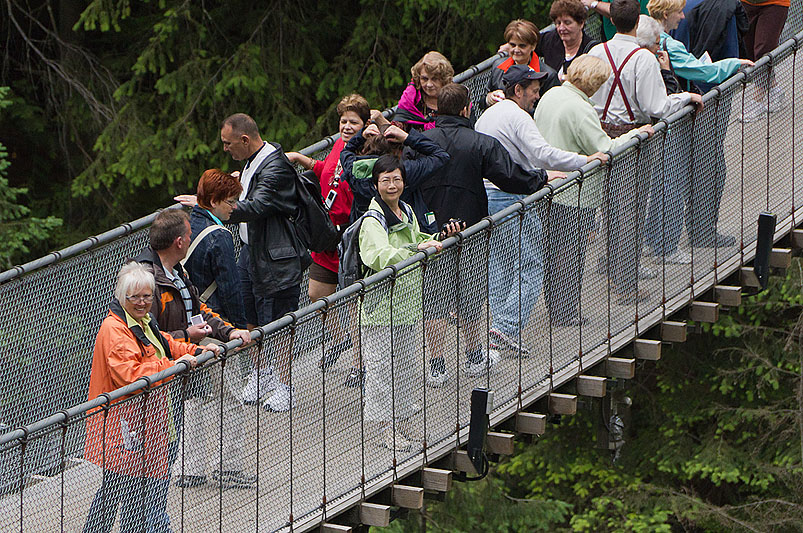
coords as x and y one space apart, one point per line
140 298
231 203
386 181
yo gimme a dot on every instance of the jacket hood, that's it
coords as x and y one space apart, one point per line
363 168
148 255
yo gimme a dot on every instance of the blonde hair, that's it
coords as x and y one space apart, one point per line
660 9
436 65
133 275
588 73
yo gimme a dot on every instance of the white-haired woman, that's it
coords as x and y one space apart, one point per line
131 441
567 120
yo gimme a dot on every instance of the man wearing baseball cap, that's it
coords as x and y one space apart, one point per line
511 122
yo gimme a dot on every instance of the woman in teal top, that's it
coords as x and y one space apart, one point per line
684 64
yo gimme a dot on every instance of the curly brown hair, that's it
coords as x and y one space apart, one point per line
436 65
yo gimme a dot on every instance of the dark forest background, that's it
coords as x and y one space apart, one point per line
113 106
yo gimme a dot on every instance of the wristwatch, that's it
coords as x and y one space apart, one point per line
594 4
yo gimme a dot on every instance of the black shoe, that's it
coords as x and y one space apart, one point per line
189 482
333 354
356 378
234 479
716 241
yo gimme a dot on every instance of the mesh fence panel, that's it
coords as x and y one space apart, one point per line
471 316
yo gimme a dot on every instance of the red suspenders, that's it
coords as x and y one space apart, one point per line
617 82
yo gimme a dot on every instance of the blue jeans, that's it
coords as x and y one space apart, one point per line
141 502
665 220
504 271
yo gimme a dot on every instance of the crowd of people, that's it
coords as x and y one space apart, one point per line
557 102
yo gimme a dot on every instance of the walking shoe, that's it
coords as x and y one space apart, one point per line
777 100
502 341
400 443
631 298
646 273
281 400
356 378
720 240
677 257
333 354
234 479
753 111
437 376
260 383
189 482
480 363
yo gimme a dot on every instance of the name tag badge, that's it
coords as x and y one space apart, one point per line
430 217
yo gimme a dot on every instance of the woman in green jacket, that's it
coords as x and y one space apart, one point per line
390 338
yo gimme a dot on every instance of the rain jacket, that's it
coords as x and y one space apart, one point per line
122 355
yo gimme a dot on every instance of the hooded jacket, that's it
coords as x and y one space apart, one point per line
457 189
168 307
121 356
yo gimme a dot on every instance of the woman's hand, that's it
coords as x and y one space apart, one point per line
187 200
395 134
189 359
370 131
747 63
648 129
378 118
197 332
494 96
663 60
300 159
430 244
242 334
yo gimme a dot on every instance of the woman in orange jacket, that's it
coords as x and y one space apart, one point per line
131 439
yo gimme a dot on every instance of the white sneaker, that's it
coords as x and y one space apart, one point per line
436 378
777 100
753 110
485 365
400 443
260 383
281 400
677 257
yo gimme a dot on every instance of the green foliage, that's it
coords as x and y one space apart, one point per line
17 228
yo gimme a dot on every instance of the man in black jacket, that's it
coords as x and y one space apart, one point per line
273 258
457 191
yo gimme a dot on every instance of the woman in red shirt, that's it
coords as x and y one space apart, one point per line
354 113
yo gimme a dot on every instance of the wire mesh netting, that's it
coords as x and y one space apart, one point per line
379 379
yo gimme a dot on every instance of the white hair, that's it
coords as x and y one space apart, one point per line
648 32
133 276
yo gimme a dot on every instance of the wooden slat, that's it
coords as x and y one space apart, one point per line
335 528
407 497
672 331
617 367
436 479
593 386
462 463
562 404
501 443
704 312
797 238
781 258
374 514
728 295
749 278
531 423
647 349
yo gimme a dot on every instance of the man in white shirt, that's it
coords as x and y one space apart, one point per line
510 121
632 96
635 92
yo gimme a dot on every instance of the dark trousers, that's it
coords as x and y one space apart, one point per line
766 26
263 308
569 231
141 502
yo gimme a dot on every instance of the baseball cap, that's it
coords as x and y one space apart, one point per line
519 73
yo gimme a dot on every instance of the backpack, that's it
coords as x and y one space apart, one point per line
312 222
350 267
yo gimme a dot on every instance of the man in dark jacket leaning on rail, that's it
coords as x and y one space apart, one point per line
457 191
175 302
